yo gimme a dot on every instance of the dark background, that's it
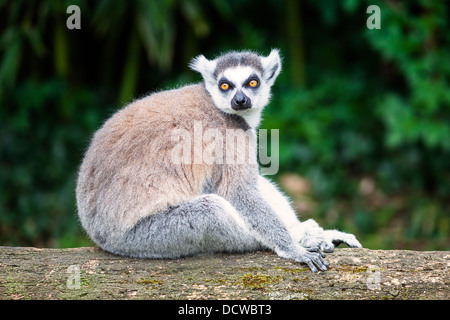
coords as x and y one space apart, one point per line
364 115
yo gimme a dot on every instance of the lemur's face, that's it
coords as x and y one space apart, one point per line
239 82
238 89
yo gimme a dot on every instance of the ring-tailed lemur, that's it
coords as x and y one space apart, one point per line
136 199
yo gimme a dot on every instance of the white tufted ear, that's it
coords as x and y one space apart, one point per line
271 66
205 67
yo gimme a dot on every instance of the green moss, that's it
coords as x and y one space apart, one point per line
305 291
85 281
292 271
16 290
218 281
352 269
258 281
251 269
150 281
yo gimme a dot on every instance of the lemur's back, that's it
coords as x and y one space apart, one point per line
128 171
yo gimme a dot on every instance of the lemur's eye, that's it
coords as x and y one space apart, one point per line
253 83
224 86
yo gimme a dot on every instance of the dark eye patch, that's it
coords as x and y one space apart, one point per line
252 77
224 80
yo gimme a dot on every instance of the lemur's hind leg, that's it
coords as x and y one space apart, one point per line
204 224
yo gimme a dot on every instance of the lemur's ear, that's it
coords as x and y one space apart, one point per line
271 66
204 66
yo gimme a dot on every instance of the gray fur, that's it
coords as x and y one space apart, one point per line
134 200
200 225
234 59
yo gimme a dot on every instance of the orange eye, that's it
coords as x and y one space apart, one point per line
253 83
224 86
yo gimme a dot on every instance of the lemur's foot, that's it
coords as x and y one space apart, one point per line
338 237
326 240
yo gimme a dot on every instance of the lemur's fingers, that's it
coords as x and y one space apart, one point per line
312 257
314 260
317 250
311 266
320 263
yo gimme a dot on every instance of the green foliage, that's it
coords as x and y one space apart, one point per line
355 107
45 127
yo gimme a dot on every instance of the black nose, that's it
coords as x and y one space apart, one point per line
240 101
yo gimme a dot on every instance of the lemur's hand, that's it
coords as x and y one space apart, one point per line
312 257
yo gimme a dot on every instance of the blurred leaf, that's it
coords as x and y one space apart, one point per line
193 13
10 62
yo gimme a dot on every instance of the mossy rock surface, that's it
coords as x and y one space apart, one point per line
90 273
